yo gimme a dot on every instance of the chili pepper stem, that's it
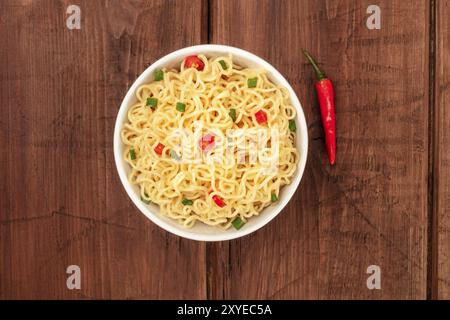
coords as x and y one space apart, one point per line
320 74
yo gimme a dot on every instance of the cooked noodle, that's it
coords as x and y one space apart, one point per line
187 191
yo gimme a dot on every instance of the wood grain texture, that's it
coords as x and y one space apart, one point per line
442 152
62 202
371 207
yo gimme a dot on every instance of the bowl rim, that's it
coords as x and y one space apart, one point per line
155 217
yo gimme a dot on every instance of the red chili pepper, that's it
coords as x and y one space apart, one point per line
325 93
218 200
206 142
261 117
194 62
159 148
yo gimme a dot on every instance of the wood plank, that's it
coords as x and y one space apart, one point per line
64 204
441 285
369 209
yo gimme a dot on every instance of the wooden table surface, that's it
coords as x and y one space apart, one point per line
386 202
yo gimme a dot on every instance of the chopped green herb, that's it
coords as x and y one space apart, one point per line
233 114
274 197
159 75
223 64
132 154
152 102
292 125
251 83
187 202
238 223
181 106
145 200
174 155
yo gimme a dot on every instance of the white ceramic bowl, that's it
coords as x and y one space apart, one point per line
201 231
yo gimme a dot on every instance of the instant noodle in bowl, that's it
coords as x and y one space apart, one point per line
210 142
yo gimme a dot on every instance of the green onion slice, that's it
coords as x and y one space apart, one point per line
152 102
159 75
233 114
132 154
187 202
181 106
251 83
274 197
238 223
223 64
292 125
